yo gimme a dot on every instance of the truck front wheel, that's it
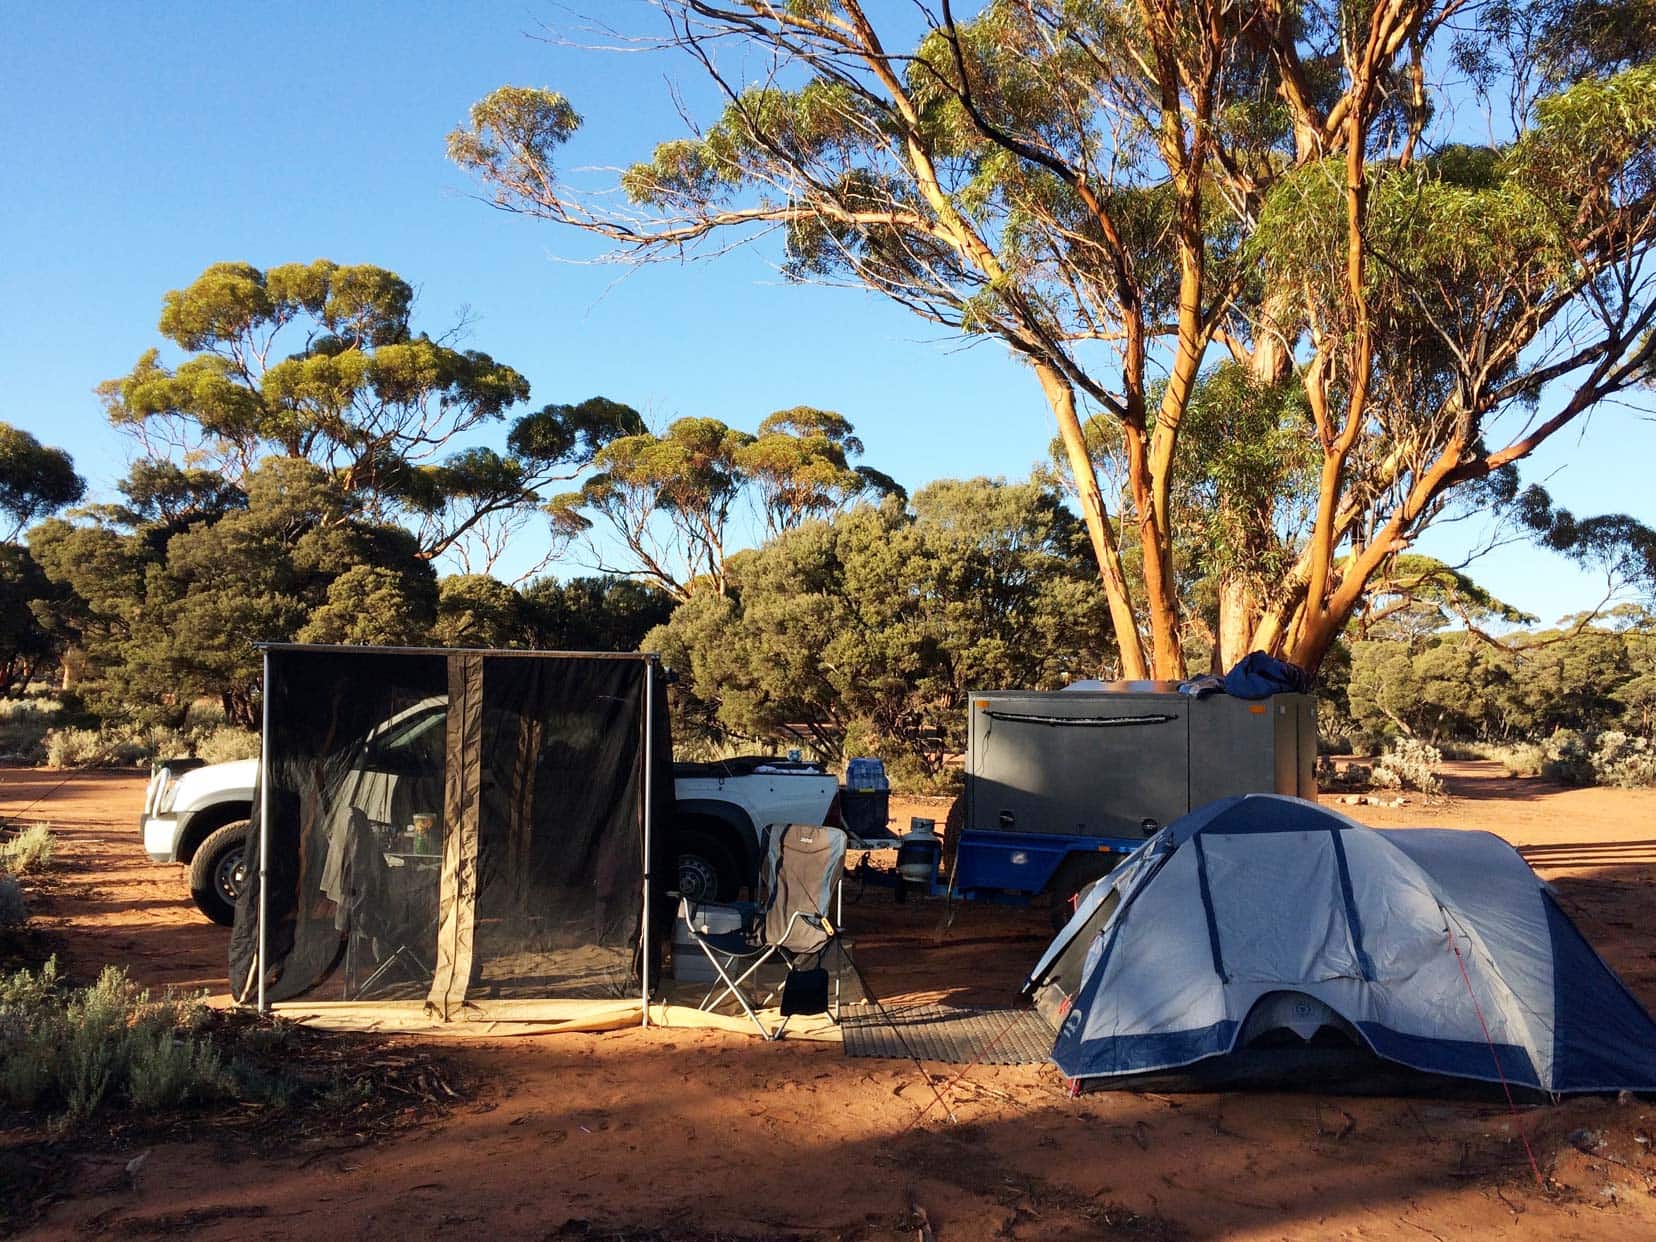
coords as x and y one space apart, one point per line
705 868
218 872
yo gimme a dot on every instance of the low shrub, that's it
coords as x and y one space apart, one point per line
222 744
24 724
1610 757
14 907
1333 775
70 1051
29 851
1408 763
1518 759
115 746
88 748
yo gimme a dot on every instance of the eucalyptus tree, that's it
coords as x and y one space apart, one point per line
671 502
36 480
861 633
1124 192
320 362
168 595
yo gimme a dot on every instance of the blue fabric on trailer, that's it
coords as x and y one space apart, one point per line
1259 676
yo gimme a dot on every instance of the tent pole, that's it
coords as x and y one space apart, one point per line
649 810
264 826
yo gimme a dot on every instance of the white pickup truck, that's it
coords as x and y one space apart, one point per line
197 814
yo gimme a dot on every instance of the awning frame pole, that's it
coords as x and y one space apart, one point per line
649 815
264 828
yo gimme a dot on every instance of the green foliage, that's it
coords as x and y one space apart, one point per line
1414 596
1456 686
34 480
1617 543
320 363
582 614
27 647
592 614
1080 181
28 850
798 466
372 604
168 604
512 131
869 629
474 610
669 499
74 1050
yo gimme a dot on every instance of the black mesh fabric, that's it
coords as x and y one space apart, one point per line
453 827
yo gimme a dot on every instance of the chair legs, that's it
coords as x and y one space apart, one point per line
733 987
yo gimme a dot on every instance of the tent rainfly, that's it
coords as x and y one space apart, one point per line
457 835
1266 940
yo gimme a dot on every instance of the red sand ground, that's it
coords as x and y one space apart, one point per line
700 1131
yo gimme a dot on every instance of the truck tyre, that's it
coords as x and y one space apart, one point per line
704 867
218 872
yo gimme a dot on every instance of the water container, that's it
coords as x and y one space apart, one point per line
865 800
866 775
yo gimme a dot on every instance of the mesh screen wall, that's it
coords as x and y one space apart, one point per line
453 826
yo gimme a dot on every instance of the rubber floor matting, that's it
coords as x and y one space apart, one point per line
942 1033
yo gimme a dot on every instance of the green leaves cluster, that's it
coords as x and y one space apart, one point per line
1457 686
670 499
165 597
864 632
319 362
35 480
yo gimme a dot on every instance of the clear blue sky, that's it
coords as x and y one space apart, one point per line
144 142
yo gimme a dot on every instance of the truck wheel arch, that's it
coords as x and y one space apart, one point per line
203 823
728 825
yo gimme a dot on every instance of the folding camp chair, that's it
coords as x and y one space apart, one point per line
389 918
798 881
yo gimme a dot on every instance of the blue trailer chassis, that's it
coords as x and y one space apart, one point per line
1014 866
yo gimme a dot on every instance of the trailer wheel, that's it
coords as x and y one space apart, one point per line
1074 874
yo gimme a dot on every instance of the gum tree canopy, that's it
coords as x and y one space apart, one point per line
1131 193
319 362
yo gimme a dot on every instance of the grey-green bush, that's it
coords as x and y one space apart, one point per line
24 724
225 743
1610 757
74 1050
1408 763
28 851
14 907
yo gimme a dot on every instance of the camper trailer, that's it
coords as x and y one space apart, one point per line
1061 785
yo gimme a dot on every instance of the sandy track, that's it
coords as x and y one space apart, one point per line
684 1130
